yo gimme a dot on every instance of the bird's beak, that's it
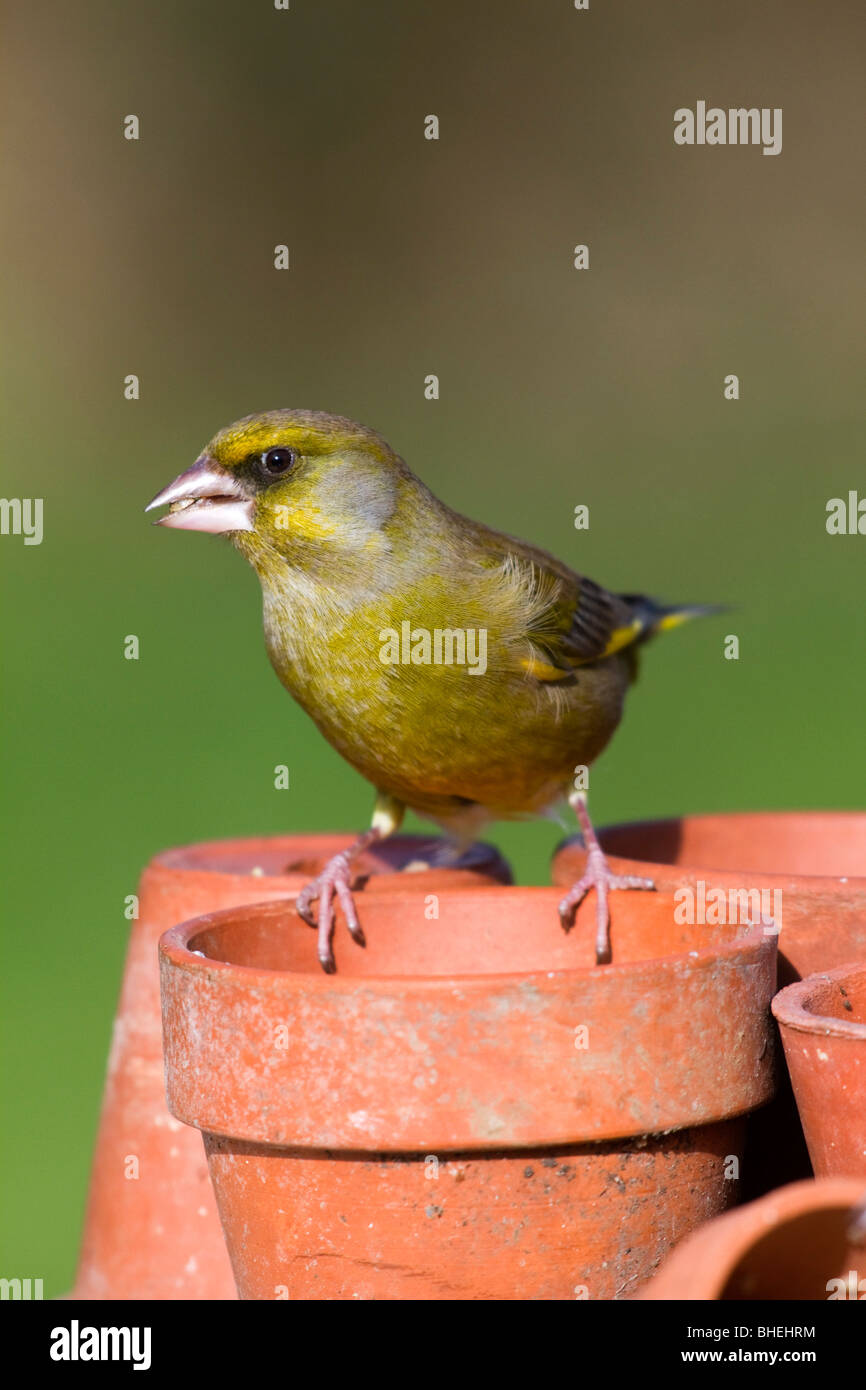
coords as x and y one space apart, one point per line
205 498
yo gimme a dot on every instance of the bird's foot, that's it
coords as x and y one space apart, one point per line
333 885
598 875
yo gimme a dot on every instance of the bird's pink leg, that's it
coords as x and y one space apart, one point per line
335 881
598 875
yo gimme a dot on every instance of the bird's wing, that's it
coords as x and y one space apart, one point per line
566 620
563 620
582 624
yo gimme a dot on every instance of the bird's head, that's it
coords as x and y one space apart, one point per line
295 482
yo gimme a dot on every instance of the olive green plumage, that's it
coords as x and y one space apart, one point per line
350 545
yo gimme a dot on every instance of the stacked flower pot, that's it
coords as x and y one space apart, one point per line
471 1108
806 1238
151 1228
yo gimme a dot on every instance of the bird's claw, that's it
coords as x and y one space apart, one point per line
599 876
333 883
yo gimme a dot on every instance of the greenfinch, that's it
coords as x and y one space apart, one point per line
467 675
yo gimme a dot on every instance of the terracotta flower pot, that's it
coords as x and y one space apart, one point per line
805 1241
469 1109
151 1229
815 861
823 1024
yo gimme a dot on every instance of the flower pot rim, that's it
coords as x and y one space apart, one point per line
174 950
724 877
496 1053
186 857
727 1238
797 1006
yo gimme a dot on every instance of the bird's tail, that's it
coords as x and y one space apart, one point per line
656 617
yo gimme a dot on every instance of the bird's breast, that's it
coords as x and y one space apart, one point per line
427 711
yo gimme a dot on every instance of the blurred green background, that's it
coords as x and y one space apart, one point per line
558 387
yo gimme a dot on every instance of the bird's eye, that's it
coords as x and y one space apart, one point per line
276 461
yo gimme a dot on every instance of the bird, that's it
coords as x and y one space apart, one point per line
468 675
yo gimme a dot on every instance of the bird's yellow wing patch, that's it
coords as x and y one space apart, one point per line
543 670
624 636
